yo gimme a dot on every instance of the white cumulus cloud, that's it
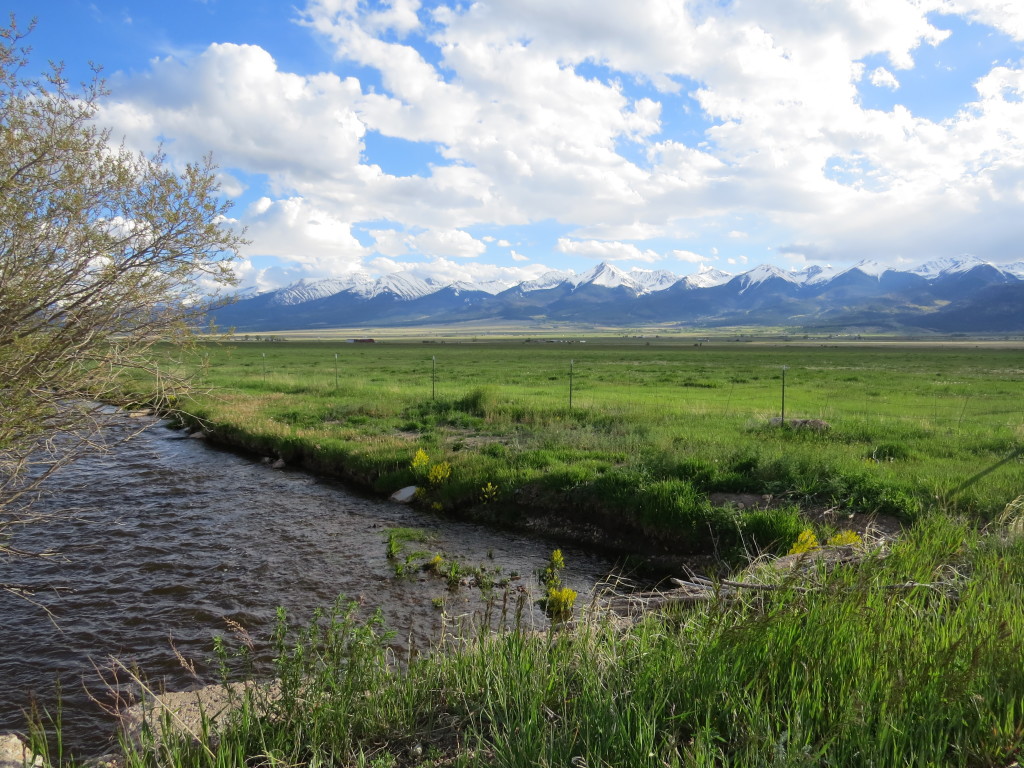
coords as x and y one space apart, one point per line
883 78
689 257
452 242
606 251
316 241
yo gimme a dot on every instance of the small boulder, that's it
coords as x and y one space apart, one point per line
279 464
814 425
195 715
405 495
14 753
828 555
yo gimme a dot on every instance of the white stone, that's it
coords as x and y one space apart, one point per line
192 714
405 495
15 754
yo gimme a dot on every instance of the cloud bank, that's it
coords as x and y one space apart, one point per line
642 132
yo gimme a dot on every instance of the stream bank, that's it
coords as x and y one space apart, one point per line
166 543
575 515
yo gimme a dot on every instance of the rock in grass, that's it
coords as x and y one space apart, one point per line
405 495
15 754
814 425
195 715
829 556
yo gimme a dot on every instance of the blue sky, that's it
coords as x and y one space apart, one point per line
498 139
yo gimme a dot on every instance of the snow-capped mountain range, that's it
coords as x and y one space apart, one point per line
937 295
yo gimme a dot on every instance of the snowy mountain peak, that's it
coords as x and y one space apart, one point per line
871 267
948 266
653 280
763 272
815 274
493 287
607 276
404 286
547 281
1016 269
309 290
707 277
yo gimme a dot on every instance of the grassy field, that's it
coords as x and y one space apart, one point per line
908 655
636 435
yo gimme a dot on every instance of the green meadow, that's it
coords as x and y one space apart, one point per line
642 438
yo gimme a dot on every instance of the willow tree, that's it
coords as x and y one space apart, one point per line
104 253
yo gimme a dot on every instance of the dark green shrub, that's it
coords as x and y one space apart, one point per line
772 530
740 473
673 506
478 402
621 488
565 478
300 419
517 414
495 450
865 493
890 452
699 471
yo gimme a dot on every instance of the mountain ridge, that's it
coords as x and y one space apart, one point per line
937 295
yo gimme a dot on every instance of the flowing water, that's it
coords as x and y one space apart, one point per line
163 539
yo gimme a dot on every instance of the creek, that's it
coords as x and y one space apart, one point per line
163 540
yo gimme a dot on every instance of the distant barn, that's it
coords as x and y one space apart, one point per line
359 341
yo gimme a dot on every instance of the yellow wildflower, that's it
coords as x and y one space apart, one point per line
805 542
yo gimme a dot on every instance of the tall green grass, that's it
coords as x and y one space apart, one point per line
910 657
